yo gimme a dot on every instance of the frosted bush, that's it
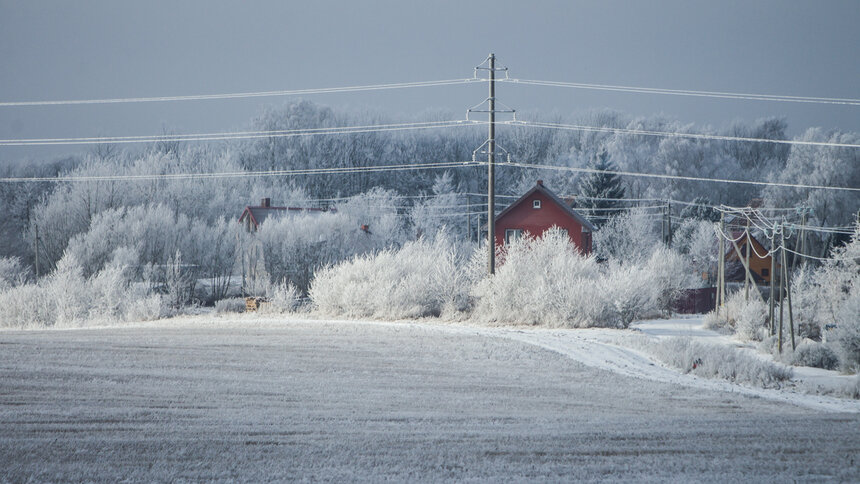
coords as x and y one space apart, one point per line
747 319
230 305
814 354
630 291
718 361
283 297
66 298
846 335
12 274
545 281
423 278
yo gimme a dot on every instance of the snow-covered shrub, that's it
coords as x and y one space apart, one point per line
546 281
67 290
109 288
230 305
294 246
423 278
627 238
669 273
697 240
66 298
747 319
846 335
283 297
630 291
839 295
12 273
718 361
814 354
805 302
852 388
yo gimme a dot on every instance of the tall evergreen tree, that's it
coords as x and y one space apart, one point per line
600 190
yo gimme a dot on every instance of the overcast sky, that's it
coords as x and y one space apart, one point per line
89 49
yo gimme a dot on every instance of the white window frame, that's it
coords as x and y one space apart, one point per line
513 234
536 204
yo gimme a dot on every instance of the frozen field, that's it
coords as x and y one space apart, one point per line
247 399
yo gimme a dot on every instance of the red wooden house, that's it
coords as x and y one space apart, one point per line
536 212
254 216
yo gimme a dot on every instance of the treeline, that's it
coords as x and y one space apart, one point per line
193 217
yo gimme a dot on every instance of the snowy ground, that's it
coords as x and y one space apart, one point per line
214 398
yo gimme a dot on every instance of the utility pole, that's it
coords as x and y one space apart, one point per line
491 156
770 306
799 243
491 171
669 220
781 282
747 256
36 249
721 263
785 274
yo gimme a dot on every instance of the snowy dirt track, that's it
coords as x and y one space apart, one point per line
310 400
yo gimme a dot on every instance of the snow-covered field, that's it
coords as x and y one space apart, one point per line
213 398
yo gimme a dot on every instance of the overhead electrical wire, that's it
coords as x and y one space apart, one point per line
245 174
679 177
237 95
278 133
687 92
673 134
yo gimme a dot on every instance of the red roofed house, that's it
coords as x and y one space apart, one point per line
254 216
536 212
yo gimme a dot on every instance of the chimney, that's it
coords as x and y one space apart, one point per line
365 228
540 182
266 202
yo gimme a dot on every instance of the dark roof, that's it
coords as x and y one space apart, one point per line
259 214
552 196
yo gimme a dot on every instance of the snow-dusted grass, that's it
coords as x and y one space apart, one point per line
718 361
249 400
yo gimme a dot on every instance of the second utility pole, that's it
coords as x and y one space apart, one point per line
491 171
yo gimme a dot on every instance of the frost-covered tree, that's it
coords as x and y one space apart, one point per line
598 189
630 237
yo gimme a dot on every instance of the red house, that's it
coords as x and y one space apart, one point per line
537 211
254 216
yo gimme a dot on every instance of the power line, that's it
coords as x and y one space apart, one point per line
237 95
282 133
670 134
679 177
686 92
245 174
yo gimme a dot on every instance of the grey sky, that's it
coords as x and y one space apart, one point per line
89 49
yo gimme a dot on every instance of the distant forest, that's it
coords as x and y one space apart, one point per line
66 212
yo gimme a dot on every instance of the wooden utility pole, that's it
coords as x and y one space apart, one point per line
785 275
669 223
721 264
491 171
770 306
747 266
36 249
798 245
781 282
468 218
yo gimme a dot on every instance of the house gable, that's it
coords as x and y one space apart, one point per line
536 212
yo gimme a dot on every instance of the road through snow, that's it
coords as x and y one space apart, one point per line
221 399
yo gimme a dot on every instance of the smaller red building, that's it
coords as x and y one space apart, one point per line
536 212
